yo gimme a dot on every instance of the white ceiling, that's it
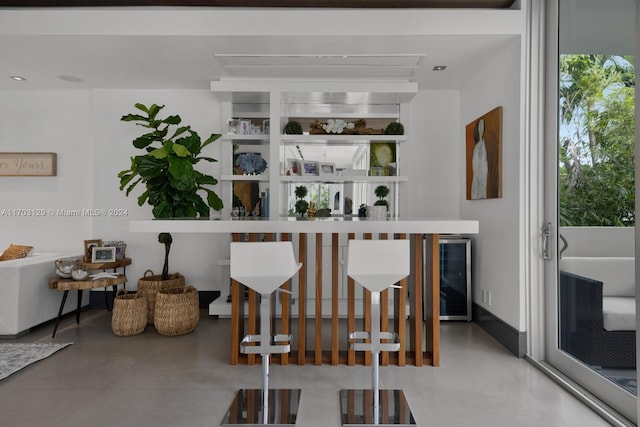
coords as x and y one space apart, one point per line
57 61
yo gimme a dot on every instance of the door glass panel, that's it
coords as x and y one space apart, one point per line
596 188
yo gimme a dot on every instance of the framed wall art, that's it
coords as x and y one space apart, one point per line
484 156
28 164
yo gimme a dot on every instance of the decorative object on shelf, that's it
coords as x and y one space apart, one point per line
359 127
394 128
310 167
251 163
381 192
79 271
311 212
266 126
327 169
292 128
382 155
103 254
484 156
28 164
64 266
232 126
176 311
362 211
88 248
301 204
121 248
294 166
380 208
129 315
167 169
336 126
244 127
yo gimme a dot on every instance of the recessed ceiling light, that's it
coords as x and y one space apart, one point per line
439 68
18 78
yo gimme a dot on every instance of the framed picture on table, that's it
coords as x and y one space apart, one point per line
104 254
88 248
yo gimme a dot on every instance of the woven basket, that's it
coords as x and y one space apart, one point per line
177 311
129 315
151 284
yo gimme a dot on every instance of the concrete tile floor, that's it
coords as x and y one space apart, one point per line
152 380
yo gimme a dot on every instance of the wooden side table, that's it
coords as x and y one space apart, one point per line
67 285
104 266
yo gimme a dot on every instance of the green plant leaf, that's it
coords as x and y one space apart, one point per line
214 201
133 118
143 198
172 120
132 186
212 138
149 167
141 107
154 110
163 210
181 150
145 140
208 159
159 153
180 131
181 170
203 179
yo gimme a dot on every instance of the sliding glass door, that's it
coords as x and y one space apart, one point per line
590 192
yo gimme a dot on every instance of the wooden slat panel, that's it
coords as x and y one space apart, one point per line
252 305
237 317
286 311
416 301
302 299
384 315
351 311
318 310
400 312
335 289
367 311
432 290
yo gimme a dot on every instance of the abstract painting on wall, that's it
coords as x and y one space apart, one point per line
484 156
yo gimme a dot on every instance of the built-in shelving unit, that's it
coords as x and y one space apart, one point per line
378 103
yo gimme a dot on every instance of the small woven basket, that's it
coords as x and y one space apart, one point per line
129 315
177 311
151 284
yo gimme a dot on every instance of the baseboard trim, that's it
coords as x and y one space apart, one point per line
515 341
97 299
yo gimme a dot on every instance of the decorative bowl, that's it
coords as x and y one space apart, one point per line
64 267
79 272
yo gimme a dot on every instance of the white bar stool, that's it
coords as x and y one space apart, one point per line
263 267
376 265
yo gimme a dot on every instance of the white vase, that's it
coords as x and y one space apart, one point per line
377 213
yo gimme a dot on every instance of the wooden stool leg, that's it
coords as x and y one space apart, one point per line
64 299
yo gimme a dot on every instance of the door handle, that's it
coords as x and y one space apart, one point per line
546 237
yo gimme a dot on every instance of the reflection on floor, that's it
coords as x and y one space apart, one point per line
154 380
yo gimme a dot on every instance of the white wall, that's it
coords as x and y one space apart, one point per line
495 258
431 157
50 121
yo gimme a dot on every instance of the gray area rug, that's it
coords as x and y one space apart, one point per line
14 357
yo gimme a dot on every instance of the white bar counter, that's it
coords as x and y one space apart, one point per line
417 299
315 225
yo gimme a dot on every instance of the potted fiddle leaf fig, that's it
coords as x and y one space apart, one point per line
167 168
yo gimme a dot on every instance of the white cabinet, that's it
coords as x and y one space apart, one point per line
339 174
